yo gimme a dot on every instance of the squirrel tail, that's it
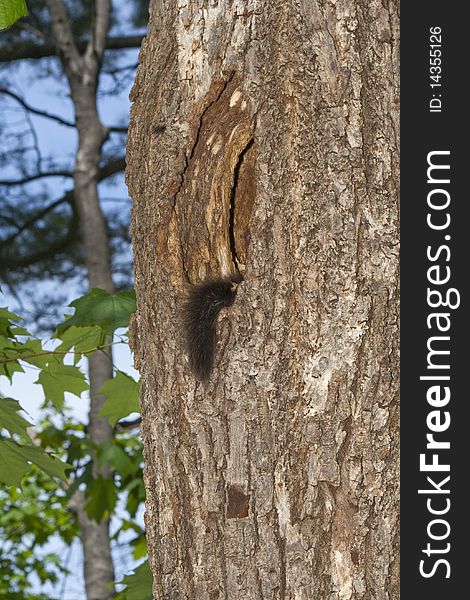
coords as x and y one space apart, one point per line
201 308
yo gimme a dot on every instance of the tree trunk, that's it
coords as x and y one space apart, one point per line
264 139
82 71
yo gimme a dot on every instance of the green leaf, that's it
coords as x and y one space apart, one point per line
139 585
122 394
33 353
113 455
140 547
7 314
12 351
10 419
56 379
16 331
84 340
108 311
102 498
15 462
6 318
8 362
11 11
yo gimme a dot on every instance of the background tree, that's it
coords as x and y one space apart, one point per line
39 218
68 236
264 138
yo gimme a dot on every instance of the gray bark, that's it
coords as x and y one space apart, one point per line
82 71
264 138
95 539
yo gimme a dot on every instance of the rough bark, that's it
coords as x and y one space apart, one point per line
264 137
82 71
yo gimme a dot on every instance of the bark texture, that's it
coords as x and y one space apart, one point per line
264 138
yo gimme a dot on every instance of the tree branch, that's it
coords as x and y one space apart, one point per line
111 168
63 36
99 29
112 71
117 129
26 50
68 197
16 262
130 424
46 115
36 111
29 178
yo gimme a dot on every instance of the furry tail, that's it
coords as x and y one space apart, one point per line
203 303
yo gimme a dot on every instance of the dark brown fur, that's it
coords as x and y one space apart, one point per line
201 308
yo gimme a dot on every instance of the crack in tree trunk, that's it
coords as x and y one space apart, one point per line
278 478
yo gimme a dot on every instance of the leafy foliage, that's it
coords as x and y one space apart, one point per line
11 11
139 584
10 418
108 311
15 462
84 340
97 315
122 394
16 451
29 519
40 241
56 458
56 379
